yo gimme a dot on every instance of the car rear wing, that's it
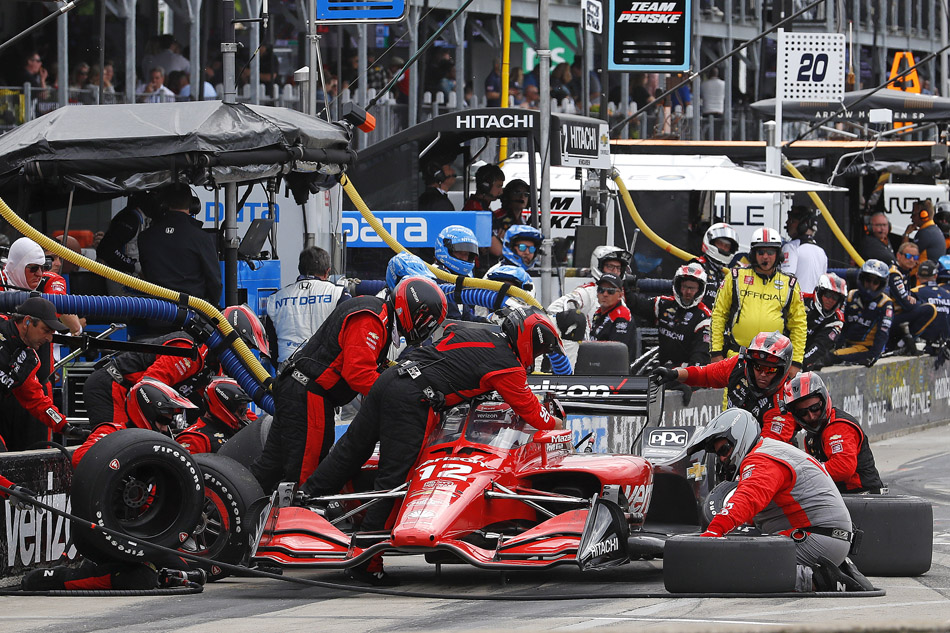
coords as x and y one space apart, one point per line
603 395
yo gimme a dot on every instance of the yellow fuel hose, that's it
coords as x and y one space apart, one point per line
199 305
790 168
651 235
468 282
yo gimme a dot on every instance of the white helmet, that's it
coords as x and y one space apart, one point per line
830 284
689 271
765 238
603 253
720 231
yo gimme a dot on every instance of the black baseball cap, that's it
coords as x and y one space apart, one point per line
42 309
927 268
610 278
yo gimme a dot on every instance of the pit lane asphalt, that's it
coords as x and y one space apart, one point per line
916 464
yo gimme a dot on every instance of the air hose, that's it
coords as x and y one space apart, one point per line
650 233
469 282
790 168
199 305
233 367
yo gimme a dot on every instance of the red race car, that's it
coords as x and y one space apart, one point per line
488 490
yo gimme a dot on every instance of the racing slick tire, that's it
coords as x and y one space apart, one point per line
223 533
246 445
898 534
715 501
142 484
733 564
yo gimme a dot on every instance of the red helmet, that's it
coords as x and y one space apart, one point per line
227 402
153 405
420 307
530 333
803 386
248 327
771 350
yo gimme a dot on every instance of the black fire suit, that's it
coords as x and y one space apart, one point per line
843 448
683 332
823 332
613 325
714 278
176 253
867 324
464 363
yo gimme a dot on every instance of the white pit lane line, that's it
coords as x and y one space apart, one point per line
580 626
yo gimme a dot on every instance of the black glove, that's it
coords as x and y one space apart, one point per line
664 375
19 503
572 324
75 432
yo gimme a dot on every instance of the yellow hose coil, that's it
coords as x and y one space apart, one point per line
468 282
827 214
199 305
651 235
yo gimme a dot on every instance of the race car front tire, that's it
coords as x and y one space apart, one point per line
733 564
139 483
898 534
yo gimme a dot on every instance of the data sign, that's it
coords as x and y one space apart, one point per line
811 66
649 36
355 11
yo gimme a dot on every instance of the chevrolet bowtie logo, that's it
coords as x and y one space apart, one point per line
696 471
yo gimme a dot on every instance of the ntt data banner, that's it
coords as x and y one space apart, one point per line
649 36
413 229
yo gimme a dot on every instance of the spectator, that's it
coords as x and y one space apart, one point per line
929 237
682 96
925 88
825 316
531 97
928 292
447 78
167 55
78 78
802 257
576 84
177 253
298 310
713 91
155 90
611 320
720 247
90 93
514 201
638 91
489 184
760 298
439 179
493 85
380 73
560 82
33 71
875 244
867 317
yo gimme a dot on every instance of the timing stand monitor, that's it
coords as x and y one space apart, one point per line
254 239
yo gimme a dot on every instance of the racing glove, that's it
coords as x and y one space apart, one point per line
664 375
75 432
572 324
21 503
711 534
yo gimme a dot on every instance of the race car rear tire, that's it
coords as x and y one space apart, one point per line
223 534
734 564
139 483
898 534
246 445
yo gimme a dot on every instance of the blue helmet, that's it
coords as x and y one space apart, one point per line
512 275
520 232
456 238
405 264
943 269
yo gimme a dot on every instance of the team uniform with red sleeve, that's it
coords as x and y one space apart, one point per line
466 362
340 360
207 435
730 374
844 450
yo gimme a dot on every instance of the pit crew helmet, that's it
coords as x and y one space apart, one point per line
717 231
804 386
689 271
151 403
830 284
420 306
873 269
227 402
769 350
520 232
403 265
514 275
248 327
602 254
740 430
456 238
530 333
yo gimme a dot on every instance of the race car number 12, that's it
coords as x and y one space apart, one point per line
449 471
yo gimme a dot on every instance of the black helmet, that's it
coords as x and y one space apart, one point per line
739 428
227 402
530 333
803 386
771 350
420 306
153 405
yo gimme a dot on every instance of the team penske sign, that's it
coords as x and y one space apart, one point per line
649 36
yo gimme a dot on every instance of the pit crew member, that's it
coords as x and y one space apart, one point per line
520 247
611 321
720 247
825 319
938 296
867 317
456 252
801 256
227 413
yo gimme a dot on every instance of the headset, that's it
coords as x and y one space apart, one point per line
486 176
867 222
434 174
194 205
922 210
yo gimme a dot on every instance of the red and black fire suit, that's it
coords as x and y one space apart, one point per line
207 435
466 362
822 334
341 359
867 324
730 374
613 325
683 332
106 388
843 448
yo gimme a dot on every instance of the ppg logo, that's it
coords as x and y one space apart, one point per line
668 437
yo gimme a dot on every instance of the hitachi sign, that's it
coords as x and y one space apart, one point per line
584 139
493 121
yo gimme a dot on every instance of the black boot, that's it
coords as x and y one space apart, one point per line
181 578
845 577
377 578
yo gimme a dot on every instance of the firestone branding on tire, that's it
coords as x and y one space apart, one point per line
184 458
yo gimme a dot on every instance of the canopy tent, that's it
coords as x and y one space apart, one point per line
907 107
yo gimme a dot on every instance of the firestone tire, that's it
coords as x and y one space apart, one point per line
223 533
247 444
139 483
898 534
734 564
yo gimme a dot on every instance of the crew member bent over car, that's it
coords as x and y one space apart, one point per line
833 437
466 362
785 492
